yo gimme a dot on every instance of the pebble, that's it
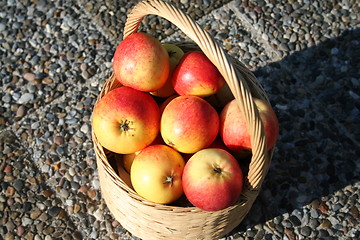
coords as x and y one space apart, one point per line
91 193
98 214
20 230
54 211
26 221
29 77
18 185
72 172
326 224
7 169
25 98
10 191
59 140
35 214
21 111
43 217
85 128
76 208
6 98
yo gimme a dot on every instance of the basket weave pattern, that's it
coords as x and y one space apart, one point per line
148 220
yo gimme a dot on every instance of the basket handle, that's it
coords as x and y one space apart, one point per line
240 89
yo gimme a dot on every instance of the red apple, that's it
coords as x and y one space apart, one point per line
196 75
141 62
235 132
189 124
212 179
126 120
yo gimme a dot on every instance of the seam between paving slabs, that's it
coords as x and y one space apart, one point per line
256 38
94 23
30 156
275 57
72 217
59 99
256 34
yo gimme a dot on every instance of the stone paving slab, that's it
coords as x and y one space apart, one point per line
227 30
39 64
110 15
309 173
29 209
290 26
332 74
59 139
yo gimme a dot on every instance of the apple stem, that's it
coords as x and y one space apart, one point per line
171 53
125 125
169 180
217 170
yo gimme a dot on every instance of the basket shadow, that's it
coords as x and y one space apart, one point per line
315 93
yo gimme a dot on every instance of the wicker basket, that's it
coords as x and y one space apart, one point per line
148 220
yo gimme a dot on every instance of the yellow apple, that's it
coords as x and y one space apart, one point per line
125 176
175 54
156 174
221 98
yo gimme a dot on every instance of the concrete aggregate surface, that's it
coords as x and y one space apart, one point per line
56 55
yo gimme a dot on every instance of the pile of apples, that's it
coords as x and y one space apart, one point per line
176 125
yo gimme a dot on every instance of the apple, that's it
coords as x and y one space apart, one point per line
235 132
129 158
221 98
189 124
196 75
124 175
166 102
175 54
212 179
141 62
126 120
156 174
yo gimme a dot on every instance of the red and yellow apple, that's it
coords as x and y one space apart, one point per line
212 179
196 75
126 120
156 174
166 102
175 54
141 62
234 130
189 124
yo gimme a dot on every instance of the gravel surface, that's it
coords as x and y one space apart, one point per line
56 55
110 15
